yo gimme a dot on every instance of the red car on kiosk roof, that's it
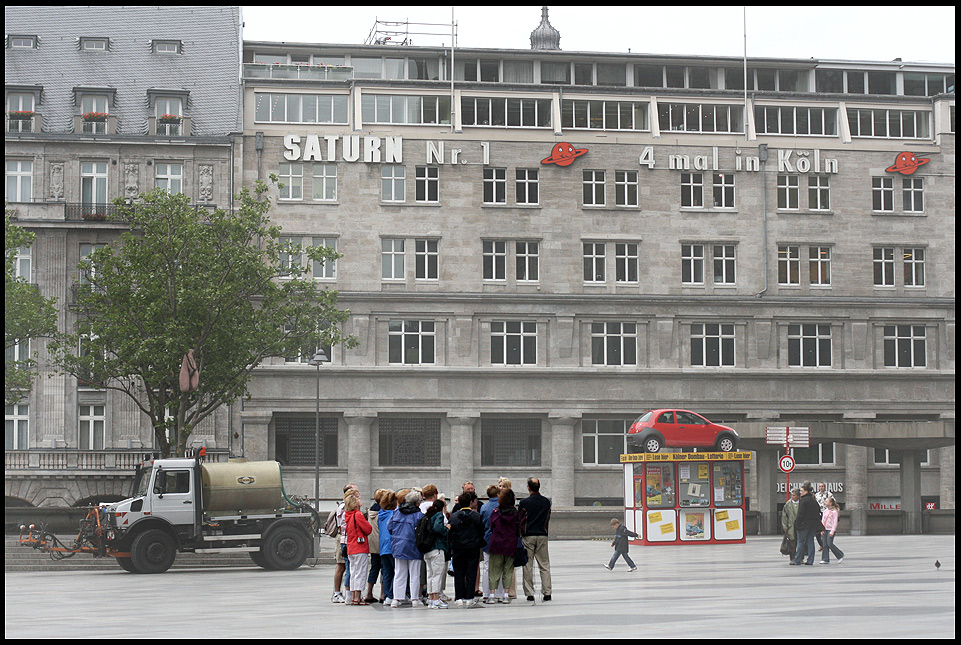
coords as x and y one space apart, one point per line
656 429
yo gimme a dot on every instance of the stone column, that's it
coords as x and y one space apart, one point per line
856 487
562 461
766 496
255 435
947 492
910 475
358 451
461 452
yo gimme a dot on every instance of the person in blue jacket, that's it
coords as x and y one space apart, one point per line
388 505
407 558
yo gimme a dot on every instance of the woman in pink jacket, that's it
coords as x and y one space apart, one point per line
358 551
829 518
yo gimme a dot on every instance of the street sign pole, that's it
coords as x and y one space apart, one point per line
789 437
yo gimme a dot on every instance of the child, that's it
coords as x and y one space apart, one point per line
620 545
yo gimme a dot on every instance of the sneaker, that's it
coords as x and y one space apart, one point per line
506 601
473 603
490 600
823 562
546 597
841 559
337 597
394 604
608 567
530 599
632 569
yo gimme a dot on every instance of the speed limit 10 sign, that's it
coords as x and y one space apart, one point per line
786 464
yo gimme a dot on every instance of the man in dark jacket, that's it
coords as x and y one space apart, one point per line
537 509
808 523
466 537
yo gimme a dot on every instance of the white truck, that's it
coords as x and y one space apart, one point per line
190 506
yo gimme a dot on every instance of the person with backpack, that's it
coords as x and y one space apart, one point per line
505 530
407 558
466 537
436 528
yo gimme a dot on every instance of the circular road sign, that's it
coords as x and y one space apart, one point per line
786 464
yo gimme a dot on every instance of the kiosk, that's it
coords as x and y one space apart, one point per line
685 497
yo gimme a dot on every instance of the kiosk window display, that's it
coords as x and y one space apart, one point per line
677 498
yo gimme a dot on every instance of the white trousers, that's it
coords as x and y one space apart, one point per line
405 570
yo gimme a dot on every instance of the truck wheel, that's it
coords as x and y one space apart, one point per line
126 564
285 548
258 558
153 551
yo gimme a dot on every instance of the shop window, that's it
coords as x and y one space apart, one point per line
694 483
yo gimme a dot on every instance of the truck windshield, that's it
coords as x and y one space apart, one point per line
142 482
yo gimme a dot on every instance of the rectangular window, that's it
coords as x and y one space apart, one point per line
526 255
914 267
426 184
603 440
500 112
889 124
788 265
693 117
712 345
692 264
594 262
913 194
819 259
392 183
291 181
495 185
325 182
510 442
604 115
725 260
513 342
170 177
809 345
409 442
904 346
328 268
613 343
882 190
788 192
93 187
295 440
796 120
526 186
625 188
169 113
819 193
19 181
495 260
411 342
426 259
692 190
300 108
594 188
723 190
392 259
91 431
16 427
884 266
626 261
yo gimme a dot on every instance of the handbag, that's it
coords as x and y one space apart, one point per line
788 547
520 554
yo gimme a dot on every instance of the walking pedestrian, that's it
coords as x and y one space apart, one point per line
822 495
807 524
788 516
407 559
388 504
436 558
505 529
621 545
829 519
466 537
358 549
537 510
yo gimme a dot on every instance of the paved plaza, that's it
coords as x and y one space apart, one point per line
887 587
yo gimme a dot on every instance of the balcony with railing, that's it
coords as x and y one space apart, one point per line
298 72
88 461
21 121
99 212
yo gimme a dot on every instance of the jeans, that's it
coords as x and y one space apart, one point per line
627 559
805 545
830 548
387 575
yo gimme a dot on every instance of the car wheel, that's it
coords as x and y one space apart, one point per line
652 444
726 444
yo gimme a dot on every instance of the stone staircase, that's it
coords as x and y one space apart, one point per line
24 558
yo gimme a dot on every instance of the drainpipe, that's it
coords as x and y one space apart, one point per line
762 155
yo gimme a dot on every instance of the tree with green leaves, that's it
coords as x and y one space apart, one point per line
217 290
26 315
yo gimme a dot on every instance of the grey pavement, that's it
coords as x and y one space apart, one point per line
887 587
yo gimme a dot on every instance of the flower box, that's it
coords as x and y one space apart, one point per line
94 217
170 118
20 115
96 117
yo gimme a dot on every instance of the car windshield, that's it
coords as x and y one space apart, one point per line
645 417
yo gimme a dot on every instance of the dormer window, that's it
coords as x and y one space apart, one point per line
94 44
22 42
167 46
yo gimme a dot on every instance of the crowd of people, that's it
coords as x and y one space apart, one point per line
409 542
807 517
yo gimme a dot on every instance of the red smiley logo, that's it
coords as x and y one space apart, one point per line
564 154
906 163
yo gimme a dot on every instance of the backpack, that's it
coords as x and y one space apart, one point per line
331 527
424 538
